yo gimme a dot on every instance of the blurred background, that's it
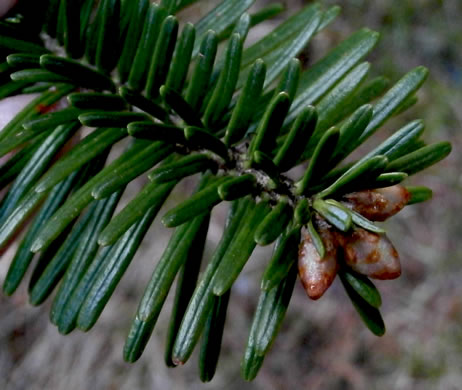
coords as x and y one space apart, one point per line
323 344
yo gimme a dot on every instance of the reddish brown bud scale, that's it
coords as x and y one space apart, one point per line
45 109
316 273
378 204
370 254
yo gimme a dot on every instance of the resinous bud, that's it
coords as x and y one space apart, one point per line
316 273
370 254
378 204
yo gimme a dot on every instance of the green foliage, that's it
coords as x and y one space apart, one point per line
240 118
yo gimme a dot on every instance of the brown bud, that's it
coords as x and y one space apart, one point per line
315 273
378 204
370 254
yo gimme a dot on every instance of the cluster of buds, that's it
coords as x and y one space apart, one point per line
365 252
